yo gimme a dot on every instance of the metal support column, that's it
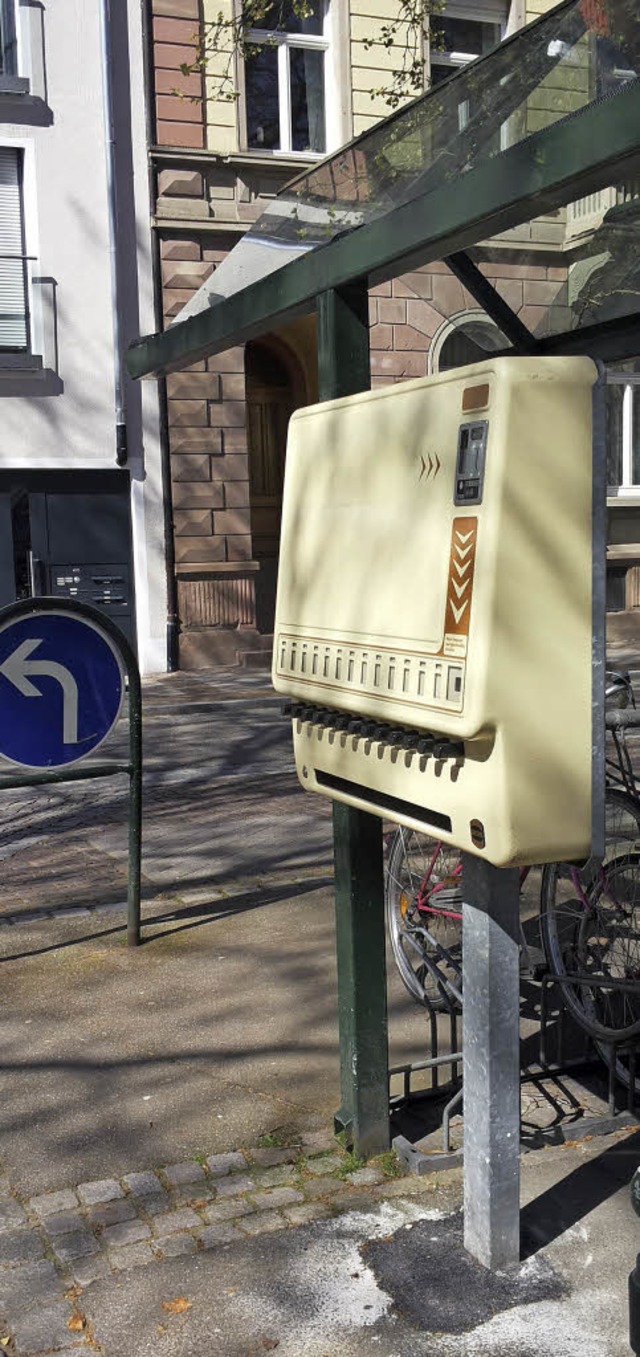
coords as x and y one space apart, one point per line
343 369
491 1062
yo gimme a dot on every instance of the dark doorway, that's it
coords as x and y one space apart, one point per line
273 391
68 535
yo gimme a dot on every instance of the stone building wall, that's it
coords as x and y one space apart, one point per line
208 192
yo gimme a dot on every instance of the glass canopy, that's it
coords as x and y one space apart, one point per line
581 53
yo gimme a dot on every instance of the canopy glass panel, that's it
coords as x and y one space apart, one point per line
582 52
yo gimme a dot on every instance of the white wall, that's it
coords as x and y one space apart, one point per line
65 419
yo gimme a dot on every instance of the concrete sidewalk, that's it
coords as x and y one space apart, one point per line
129 1075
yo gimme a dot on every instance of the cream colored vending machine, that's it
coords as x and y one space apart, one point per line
440 611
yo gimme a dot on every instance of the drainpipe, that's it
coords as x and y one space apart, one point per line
112 218
173 621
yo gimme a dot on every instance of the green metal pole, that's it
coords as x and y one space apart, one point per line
135 806
343 369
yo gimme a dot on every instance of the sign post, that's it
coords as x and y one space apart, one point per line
64 670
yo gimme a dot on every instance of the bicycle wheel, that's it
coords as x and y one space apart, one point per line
592 938
622 836
423 906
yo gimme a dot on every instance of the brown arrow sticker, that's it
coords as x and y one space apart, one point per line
462 561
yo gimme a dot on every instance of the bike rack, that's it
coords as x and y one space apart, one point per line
614 1047
421 1161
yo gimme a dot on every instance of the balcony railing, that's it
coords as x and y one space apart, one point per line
586 214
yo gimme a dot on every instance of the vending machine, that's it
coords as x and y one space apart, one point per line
440 610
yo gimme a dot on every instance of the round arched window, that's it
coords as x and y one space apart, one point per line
467 338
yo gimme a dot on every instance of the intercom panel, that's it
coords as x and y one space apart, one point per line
440 605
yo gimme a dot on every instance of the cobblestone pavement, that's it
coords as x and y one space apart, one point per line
55 1245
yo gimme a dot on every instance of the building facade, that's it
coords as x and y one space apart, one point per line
217 161
81 492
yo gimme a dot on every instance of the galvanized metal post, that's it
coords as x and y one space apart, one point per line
343 369
491 1062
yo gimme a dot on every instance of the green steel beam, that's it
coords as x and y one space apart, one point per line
495 306
570 159
343 368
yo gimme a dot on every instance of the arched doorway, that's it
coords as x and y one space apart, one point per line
274 389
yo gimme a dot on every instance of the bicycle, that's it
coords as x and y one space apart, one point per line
589 916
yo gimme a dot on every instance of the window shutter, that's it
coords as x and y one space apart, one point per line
13 289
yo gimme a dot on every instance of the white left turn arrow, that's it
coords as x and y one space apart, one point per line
17 668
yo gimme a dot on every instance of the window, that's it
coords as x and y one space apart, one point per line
285 81
461 34
14 308
623 428
8 39
469 337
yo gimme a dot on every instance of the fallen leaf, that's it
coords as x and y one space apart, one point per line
73 1292
177 1306
270 1343
4 1342
76 1323
162 1328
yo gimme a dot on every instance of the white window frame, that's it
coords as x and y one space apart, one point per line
283 42
497 13
628 488
17 82
32 252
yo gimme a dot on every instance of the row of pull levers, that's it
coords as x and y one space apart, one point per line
396 737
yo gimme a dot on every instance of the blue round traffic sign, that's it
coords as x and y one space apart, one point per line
61 688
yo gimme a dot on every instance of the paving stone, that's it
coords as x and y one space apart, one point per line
143 1184
33 1284
88 1270
303 1215
78 1245
315 1142
235 1186
268 1158
177 1174
263 1222
11 1213
51 1202
154 1206
276 1177
219 1165
111 1213
104 1190
218 1234
196 1192
43 1328
367 1177
64 1222
277 1197
177 1220
126 1232
132 1255
228 1210
327 1164
19 1246
324 1187
175 1245
411 1186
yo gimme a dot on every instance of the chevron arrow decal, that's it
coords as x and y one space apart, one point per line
457 612
464 532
